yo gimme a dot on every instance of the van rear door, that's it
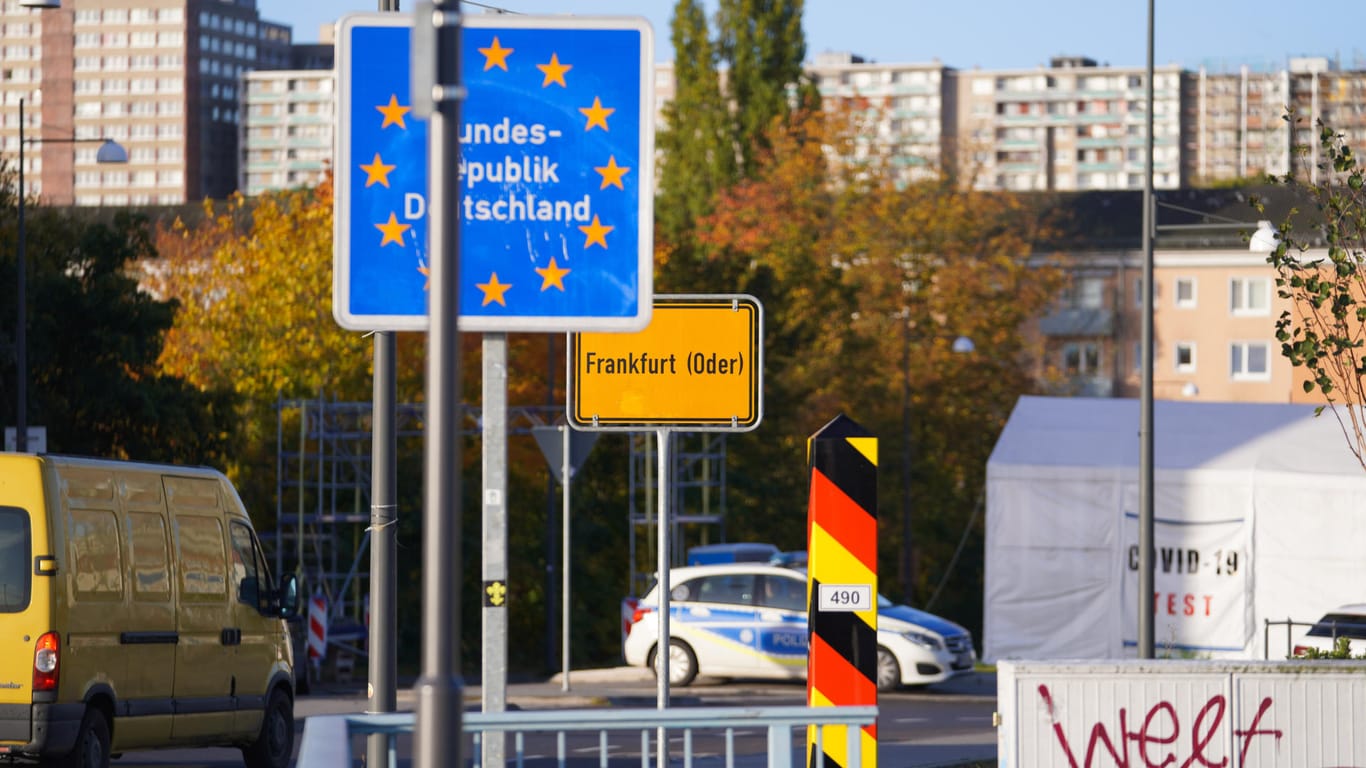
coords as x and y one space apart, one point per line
25 596
16 591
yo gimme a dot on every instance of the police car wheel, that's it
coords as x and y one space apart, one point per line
888 671
682 663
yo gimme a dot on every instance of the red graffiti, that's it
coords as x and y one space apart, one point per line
1159 741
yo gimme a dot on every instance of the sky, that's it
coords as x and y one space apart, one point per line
990 34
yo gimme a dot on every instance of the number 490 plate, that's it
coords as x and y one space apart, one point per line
845 597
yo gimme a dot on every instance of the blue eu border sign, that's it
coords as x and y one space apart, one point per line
556 176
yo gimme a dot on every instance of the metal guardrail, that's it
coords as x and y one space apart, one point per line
328 739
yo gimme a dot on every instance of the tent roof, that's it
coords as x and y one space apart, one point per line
1103 432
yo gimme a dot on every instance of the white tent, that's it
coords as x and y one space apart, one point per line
1259 509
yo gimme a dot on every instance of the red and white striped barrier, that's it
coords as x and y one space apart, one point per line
317 628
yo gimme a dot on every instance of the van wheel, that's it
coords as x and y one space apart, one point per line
274 746
92 743
682 663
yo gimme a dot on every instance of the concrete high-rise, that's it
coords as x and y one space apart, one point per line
289 120
161 77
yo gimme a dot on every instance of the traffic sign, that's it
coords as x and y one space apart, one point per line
698 364
551 441
556 175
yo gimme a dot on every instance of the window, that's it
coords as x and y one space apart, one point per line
1081 358
200 541
246 568
148 553
1185 357
1250 296
1185 292
733 588
783 593
14 559
95 546
1248 360
1085 292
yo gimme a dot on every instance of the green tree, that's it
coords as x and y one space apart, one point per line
697 158
729 90
1324 331
764 48
93 338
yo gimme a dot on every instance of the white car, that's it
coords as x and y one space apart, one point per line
1348 621
749 620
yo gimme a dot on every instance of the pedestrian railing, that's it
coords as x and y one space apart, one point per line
1289 636
328 739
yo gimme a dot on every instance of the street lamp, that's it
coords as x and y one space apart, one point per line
109 152
961 345
1263 240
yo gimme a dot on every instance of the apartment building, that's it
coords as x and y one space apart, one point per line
1070 126
1075 125
1237 125
1214 303
1336 97
161 77
915 103
288 129
1213 328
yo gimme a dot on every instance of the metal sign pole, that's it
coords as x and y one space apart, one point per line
662 654
383 630
437 738
565 470
495 525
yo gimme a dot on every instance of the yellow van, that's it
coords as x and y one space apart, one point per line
136 612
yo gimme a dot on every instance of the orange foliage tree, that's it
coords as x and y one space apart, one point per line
867 278
255 286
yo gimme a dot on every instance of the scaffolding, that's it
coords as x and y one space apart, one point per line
697 499
322 509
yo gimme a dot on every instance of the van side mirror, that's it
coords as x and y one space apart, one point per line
289 596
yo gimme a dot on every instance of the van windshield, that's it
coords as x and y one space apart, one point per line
14 560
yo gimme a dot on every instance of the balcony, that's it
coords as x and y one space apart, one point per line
1079 321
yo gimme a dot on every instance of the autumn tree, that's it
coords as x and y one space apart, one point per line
254 280
1324 331
855 271
257 301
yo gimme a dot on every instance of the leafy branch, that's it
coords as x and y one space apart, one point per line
1324 330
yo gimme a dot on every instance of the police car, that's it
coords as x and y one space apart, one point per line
749 620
